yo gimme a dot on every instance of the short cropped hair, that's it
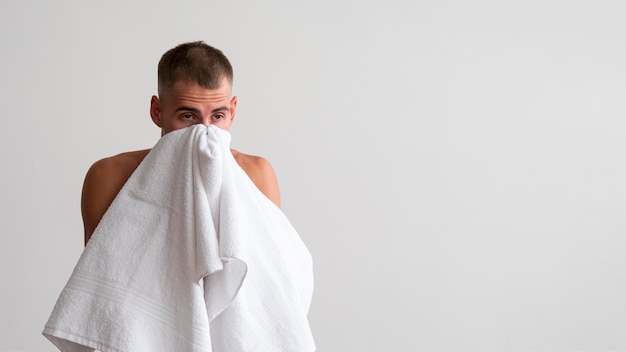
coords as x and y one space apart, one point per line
196 62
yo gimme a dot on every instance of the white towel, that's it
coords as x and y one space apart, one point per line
190 256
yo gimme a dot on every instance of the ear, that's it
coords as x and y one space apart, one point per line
233 107
155 111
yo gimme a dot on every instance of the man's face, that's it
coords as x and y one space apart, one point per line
187 104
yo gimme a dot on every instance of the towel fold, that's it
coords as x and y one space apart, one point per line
190 256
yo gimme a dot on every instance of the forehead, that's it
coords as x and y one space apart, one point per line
191 92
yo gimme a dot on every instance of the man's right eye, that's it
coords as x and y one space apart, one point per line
187 116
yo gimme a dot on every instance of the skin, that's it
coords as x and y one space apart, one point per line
183 105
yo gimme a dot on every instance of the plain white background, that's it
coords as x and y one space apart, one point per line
456 168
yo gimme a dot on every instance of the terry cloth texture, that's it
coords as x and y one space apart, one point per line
190 256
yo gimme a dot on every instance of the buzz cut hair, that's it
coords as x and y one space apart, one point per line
195 62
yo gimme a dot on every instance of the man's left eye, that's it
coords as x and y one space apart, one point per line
218 117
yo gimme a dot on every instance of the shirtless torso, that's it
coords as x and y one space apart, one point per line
107 176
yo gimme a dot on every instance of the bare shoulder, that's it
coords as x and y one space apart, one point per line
261 173
117 166
103 181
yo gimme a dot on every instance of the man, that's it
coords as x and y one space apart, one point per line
194 86
190 256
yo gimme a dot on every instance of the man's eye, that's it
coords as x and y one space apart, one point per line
218 117
187 116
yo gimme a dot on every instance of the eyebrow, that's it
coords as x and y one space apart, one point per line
221 108
192 109
187 108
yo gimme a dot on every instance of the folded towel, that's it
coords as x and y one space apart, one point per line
190 256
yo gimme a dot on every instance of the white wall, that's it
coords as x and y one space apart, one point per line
456 168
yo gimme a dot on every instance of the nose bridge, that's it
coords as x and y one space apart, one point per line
205 120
